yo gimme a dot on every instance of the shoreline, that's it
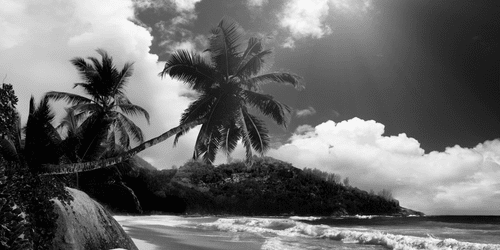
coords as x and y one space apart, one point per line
165 232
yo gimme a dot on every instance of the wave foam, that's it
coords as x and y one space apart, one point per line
271 228
308 218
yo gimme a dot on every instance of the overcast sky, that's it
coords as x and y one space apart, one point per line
401 95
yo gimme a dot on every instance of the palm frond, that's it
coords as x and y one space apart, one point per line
253 65
93 131
254 47
87 108
122 129
130 127
70 121
122 78
257 132
196 110
199 146
245 135
190 68
212 143
225 45
225 109
230 137
276 77
111 140
268 106
73 99
131 109
89 88
85 70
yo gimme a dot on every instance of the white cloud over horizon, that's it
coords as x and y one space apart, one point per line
46 35
456 181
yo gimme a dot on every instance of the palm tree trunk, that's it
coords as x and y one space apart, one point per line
51 169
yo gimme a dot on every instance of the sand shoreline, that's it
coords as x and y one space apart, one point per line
158 232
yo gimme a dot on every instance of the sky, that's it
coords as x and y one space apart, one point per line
399 95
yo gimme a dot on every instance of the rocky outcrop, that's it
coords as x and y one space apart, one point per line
405 212
85 224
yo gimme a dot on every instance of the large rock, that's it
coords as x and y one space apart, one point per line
85 224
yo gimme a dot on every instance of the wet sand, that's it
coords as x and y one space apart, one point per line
169 232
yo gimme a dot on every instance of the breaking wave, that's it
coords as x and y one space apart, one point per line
271 228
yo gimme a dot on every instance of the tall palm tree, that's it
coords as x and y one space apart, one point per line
104 111
229 84
228 79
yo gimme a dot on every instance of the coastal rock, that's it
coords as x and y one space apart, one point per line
85 224
405 212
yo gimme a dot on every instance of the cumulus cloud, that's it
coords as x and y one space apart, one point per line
47 34
456 181
174 32
305 18
305 112
309 19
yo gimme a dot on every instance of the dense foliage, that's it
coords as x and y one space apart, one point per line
267 187
8 101
27 217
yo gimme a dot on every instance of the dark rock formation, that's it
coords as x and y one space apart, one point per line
85 224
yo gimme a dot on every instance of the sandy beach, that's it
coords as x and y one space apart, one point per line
173 232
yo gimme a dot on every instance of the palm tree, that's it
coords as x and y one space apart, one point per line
229 84
104 111
41 144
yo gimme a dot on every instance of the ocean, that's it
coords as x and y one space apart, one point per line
313 233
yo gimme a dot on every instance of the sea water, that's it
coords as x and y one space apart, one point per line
357 232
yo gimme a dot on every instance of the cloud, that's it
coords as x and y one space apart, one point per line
288 43
305 112
47 34
174 33
305 18
256 3
456 181
178 5
310 19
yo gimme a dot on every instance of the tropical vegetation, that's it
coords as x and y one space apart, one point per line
26 212
228 84
228 79
268 187
102 114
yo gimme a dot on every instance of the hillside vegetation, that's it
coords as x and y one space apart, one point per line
267 187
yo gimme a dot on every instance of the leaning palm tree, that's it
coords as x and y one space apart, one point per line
229 84
104 110
228 80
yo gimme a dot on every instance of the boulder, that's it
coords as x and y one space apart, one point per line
85 224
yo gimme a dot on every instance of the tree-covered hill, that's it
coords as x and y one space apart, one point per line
267 187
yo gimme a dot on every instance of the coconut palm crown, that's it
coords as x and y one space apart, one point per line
228 79
103 113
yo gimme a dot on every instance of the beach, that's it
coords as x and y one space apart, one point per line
158 232
166 232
